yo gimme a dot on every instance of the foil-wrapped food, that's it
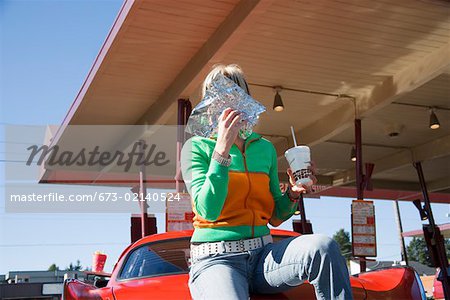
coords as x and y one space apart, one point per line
221 94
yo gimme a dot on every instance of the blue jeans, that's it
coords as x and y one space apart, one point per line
273 268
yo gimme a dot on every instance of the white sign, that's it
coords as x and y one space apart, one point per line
52 289
179 213
364 242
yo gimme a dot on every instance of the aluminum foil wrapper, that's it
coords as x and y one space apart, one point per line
222 93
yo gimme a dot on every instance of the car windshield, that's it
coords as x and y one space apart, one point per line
165 257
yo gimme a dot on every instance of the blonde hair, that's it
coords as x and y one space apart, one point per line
232 71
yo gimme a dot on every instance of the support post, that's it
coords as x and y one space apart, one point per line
359 176
400 232
180 139
184 111
359 161
301 207
433 236
305 226
143 194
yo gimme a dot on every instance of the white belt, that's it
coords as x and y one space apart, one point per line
229 246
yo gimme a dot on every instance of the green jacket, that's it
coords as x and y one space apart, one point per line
235 202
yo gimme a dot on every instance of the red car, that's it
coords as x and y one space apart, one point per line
156 267
438 290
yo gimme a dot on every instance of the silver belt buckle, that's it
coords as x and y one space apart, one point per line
267 239
223 248
263 243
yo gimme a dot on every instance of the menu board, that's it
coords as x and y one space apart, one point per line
179 213
364 242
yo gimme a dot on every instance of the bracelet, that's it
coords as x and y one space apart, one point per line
222 160
290 196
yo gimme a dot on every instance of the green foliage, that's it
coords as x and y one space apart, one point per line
417 251
73 267
53 267
342 237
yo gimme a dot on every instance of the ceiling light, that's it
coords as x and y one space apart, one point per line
434 122
422 211
353 154
277 102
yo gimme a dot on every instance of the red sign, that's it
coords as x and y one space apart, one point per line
179 213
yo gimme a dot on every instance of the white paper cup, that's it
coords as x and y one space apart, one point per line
299 159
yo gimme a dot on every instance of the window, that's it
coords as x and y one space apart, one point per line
156 259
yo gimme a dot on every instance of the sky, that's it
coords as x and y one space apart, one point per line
47 49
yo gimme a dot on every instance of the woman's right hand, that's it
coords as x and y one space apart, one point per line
230 121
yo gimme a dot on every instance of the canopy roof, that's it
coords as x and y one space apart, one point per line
392 56
444 228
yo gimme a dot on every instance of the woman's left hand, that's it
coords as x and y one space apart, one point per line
297 189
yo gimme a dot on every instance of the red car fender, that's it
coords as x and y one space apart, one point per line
391 283
158 287
77 290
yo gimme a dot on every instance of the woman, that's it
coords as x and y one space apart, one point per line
232 178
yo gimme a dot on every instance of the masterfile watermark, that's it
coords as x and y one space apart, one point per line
84 168
140 154
95 196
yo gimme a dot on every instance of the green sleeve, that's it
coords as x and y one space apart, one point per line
206 180
284 207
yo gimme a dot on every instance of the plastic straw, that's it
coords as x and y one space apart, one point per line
293 136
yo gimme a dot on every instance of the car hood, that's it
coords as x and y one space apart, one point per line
175 287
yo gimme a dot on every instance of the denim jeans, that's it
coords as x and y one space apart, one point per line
273 268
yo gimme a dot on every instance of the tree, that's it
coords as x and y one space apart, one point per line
53 267
342 237
417 251
73 267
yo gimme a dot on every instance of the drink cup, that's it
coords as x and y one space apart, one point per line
98 261
299 159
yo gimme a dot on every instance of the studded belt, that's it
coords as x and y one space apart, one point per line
229 246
